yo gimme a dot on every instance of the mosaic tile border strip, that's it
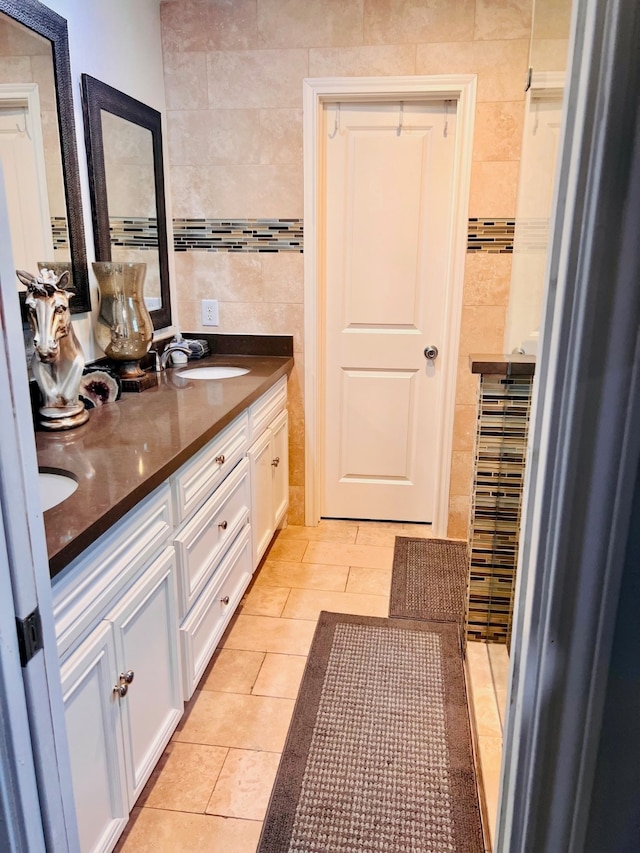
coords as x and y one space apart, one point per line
504 410
59 232
238 235
287 235
134 232
491 235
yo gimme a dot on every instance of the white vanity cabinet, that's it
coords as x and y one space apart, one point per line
139 614
269 459
121 671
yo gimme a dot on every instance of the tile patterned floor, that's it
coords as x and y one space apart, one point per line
211 788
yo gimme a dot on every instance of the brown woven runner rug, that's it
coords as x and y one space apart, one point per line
429 580
378 755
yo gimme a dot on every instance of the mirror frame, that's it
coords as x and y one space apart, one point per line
98 96
51 26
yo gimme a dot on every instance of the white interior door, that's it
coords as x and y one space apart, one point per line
22 156
389 203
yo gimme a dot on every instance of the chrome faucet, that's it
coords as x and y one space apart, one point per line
171 347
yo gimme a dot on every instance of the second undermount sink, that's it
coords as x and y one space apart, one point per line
55 486
216 371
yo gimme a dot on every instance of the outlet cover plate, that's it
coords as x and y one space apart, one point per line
209 309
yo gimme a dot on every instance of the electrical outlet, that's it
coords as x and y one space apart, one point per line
209 312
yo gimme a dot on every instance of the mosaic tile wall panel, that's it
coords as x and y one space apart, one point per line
134 232
504 408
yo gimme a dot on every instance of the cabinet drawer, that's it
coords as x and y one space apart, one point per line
203 540
202 629
267 407
89 585
199 477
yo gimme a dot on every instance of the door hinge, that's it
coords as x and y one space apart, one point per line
29 636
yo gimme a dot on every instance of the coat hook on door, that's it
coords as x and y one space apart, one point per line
400 119
446 119
336 125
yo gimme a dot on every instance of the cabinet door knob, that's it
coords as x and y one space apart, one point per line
121 689
224 600
220 459
276 462
223 525
127 677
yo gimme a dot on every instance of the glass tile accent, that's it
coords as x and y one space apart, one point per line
238 235
59 232
491 235
504 408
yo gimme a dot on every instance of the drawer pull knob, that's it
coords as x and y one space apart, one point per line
276 462
127 677
223 525
121 690
224 600
220 459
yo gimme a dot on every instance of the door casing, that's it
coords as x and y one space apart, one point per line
460 88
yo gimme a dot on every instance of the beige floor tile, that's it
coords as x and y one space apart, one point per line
264 600
307 604
418 531
369 581
160 831
478 665
280 676
184 777
235 720
499 662
377 536
485 711
336 554
326 531
267 634
490 754
244 785
302 575
232 671
287 549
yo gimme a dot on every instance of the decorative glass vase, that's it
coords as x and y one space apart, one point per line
124 330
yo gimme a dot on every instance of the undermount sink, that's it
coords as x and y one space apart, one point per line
218 371
55 486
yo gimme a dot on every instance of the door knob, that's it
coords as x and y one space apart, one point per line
431 353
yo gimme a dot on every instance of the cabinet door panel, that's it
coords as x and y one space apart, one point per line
146 632
261 495
95 740
280 449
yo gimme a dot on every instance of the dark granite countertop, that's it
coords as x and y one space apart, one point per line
503 365
128 448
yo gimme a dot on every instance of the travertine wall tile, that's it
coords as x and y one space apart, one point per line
494 187
501 66
487 279
256 78
213 137
313 23
408 21
497 19
369 60
280 137
185 81
498 131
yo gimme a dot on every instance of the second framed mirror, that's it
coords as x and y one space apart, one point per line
126 178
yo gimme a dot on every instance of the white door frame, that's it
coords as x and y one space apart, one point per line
27 96
28 573
583 455
316 91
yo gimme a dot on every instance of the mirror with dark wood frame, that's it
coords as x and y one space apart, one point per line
35 46
126 178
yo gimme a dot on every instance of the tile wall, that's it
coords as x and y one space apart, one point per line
504 410
233 76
